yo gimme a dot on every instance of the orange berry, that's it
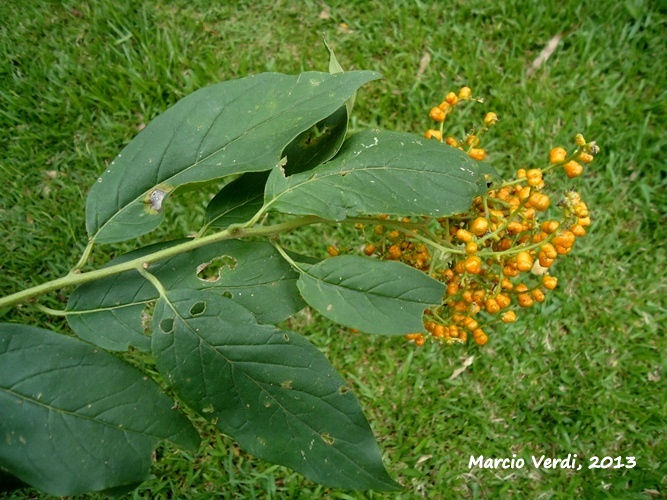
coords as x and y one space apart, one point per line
333 251
525 300
557 155
452 142
492 306
585 158
538 295
578 230
509 317
549 282
565 239
433 134
395 252
477 154
584 221
503 300
452 289
451 98
573 169
534 176
369 249
524 262
420 341
465 93
463 235
473 264
439 331
539 201
437 114
490 119
479 336
479 226
393 235
471 248
521 174
550 226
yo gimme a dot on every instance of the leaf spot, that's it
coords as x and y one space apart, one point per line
286 337
343 389
228 295
156 198
286 384
329 307
327 438
208 409
167 325
198 308
212 271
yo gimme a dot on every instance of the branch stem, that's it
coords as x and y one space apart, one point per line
77 278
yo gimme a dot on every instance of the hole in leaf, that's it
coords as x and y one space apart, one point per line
343 389
228 295
286 337
211 271
327 438
167 325
147 316
198 308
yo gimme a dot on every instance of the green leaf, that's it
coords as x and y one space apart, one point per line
374 296
271 390
381 172
78 419
318 144
238 201
108 312
224 129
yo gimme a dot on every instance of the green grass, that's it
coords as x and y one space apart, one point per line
584 373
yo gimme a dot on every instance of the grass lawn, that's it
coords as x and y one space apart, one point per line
584 373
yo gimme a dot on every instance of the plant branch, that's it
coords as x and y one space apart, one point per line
78 278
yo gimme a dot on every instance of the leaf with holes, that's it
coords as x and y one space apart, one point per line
374 296
271 390
224 129
108 312
381 172
78 419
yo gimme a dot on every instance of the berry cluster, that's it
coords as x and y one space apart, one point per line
496 258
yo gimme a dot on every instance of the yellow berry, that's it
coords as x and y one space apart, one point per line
490 119
524 262
477 154
579 140
463 235
534 176
509 317
465 93
433 134
557 155
479 226
437 114
549 282
471 248
473 264
573 169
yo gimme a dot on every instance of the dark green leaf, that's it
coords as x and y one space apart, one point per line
224 129
317 144
271 390
381 172
76 418
238 201
382 297
108 311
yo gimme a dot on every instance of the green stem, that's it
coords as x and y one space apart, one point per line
77 278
